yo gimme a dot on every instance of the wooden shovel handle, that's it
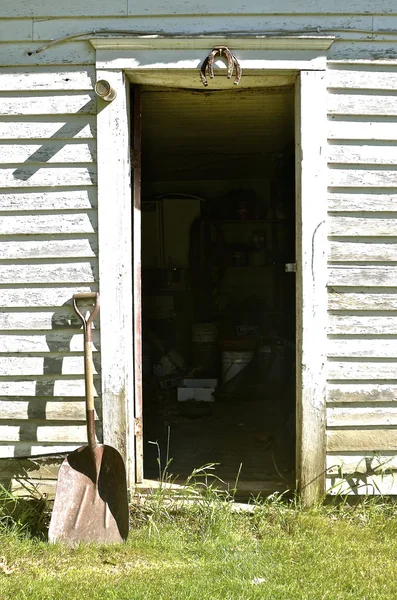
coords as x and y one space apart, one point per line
87 323
88 362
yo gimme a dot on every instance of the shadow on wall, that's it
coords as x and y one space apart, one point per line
61 138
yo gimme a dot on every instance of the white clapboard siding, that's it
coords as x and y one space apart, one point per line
368 176
362 347
46 255
48 151
23 449
370 300
201 23
46 8
353 251
356 128
368 416
368 276
356 200
42 365
47 103
69 248
41 297
356 324
32 175
37 468
16 29
367 226
47 29
60 199
364 153
46 386
361 392
44 409
362 104
361 462
76 272
359 78
357 439
20 320
61 341
24 53
363 485
40 432
43 127
366 370
386 22
167 7
47 224
38 488
36 79
120 8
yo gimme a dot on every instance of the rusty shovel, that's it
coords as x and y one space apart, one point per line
91 500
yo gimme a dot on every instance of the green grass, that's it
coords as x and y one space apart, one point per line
205 550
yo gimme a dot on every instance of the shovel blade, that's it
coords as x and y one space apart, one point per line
87 509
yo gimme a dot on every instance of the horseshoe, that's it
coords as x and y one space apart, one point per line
211 59
239 71
232 63
202 72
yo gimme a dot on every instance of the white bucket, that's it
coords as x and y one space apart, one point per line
234 362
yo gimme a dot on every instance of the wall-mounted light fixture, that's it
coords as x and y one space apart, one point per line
104 90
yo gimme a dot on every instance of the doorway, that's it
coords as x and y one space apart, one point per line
218 307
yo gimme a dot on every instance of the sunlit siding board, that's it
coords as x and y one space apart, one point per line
362 347
43 127
14 430
42 408
12 30
44 103
362 325
229 20
41 297
61 199
24 54
363 276
52 362
48 152
355 462
364 250
50 78
50 386
40 342
362 127
384 484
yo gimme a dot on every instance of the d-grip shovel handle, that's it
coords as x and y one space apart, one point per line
88 362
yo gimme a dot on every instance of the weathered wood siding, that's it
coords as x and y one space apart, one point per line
362 325
48 251
48 204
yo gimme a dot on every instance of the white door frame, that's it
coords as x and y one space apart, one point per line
175 61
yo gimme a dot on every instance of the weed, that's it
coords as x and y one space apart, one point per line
24 517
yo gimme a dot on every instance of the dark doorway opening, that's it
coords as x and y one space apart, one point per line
218 306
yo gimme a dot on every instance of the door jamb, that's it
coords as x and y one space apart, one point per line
115 247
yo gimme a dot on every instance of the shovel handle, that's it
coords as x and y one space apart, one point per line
87 323
88 362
